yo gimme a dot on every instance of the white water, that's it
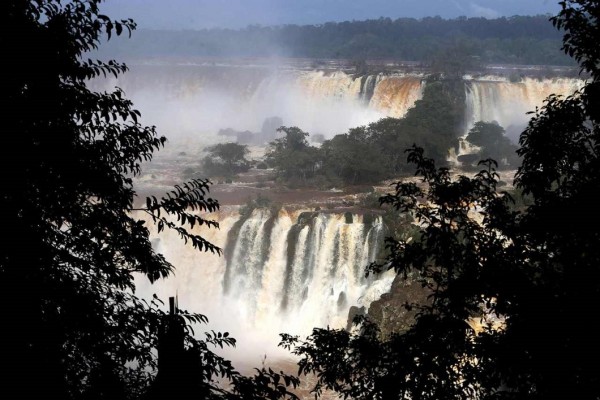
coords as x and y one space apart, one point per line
496 99
286 273
493 98
282 276
196 101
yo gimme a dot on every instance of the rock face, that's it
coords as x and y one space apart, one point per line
390 311
352 313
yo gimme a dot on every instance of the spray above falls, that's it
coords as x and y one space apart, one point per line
196 101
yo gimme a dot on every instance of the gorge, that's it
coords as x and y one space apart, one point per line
295 266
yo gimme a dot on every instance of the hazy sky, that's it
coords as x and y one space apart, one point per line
197 14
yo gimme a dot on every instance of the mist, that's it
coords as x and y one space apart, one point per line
191 100
194 102
251 310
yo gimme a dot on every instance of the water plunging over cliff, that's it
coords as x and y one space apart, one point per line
283 272
292 270
196 101
497 99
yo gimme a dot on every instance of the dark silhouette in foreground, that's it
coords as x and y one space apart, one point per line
73 327
512 292
179 369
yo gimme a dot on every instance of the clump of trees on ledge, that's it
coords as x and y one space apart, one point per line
226 160
491 143
508 286
372 153
367 155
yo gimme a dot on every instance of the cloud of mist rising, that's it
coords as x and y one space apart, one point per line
194 102
486 12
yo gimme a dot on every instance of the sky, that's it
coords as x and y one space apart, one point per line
199 14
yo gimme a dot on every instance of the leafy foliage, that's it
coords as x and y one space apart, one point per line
493 143
355 157
226 159
509 289
453 257
369 154
292 156
73 327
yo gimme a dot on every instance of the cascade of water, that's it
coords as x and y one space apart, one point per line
509 102
295 270
337 85
394 95
367 88
497 99
204 99
243 275
288 272
314 278
201 97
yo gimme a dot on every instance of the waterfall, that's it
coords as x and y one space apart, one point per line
291 270
196 101
496 99
285 272
394 95
367 87
493 98
306 272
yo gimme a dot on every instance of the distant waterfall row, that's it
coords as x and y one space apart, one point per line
196 101
390 95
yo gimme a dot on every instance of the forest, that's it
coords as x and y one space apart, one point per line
525 40
507 292
369 154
